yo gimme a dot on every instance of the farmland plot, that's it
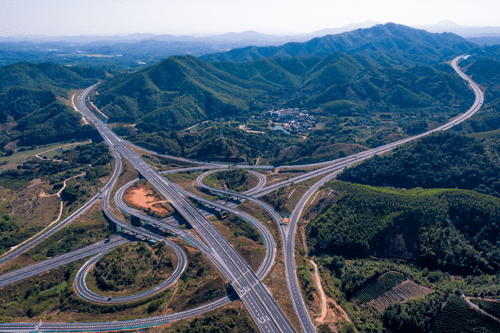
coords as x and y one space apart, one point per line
457 316
403 292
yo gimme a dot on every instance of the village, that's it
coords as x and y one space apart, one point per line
292 119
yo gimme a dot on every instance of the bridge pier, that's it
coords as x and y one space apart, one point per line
135 221
222 214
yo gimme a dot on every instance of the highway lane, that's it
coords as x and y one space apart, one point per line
242 278
61 260
244 196
289 248
115 325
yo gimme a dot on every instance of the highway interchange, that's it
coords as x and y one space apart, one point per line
247 285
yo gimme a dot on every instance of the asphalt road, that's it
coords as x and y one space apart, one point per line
61 260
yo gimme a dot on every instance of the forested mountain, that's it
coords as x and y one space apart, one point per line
181 91
175 93
28 102
440 160
18 102
451 229
55 122
390 44
47 75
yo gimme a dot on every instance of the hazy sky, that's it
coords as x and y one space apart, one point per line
96 17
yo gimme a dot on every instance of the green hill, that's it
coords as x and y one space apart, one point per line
389 43
175 93
29 103
485 70
18 102
450 229
440 160
338 76
47 76
53 123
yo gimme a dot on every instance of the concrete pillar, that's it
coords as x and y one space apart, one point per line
135 221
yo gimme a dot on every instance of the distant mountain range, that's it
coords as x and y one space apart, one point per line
137 50
253 37
247 37
392 43
462 30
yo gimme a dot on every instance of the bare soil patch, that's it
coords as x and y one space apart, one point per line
33 207
8 126
146 199
329 312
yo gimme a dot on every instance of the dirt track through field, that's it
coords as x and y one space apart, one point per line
332 315
322 295
53 222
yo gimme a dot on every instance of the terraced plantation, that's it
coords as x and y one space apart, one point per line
457 316
493 308
378 287
400 293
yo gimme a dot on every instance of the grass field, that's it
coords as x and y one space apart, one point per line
19 157
13 183
54 152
